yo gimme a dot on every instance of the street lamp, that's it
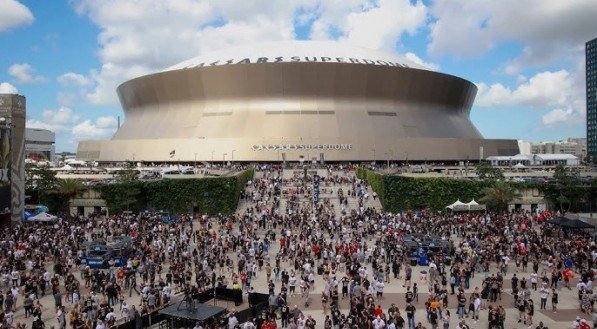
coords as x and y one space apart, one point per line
212 155
232 157
195 163
373 149
224 158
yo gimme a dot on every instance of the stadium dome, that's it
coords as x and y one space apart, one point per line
296 100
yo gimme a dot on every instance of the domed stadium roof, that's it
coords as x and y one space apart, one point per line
297 51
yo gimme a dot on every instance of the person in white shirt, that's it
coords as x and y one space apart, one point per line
249 325
378 323
232 320
379 286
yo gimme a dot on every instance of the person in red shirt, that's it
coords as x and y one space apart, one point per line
378 311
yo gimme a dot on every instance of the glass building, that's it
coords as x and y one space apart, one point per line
591 71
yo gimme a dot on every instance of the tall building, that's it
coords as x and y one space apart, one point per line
591 71
12 159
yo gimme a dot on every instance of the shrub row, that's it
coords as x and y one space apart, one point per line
211 196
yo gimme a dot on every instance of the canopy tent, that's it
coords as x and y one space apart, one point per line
473 205
519 166
577 223
457 206
565 222
470 206
42 217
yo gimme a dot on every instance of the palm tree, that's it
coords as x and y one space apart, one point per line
499 196
66 189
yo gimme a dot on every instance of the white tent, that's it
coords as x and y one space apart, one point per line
519 166
457 206
473 205
42 217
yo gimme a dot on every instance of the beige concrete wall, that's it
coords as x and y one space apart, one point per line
431 149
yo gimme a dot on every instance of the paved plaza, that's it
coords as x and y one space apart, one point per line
394 291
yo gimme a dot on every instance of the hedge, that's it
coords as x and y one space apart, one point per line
212 195
399 193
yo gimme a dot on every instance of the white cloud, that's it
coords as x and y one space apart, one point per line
73 79
380 27
548 29
559 95
375 25
14 14
24 73
59 121
102 128
7 88
544 89
416 59
130 45
567 116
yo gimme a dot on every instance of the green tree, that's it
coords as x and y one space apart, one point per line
65 190
487 172
566 176
499 195
39 181
128 174
567 190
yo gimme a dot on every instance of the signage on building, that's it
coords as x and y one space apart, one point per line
300 147
283 59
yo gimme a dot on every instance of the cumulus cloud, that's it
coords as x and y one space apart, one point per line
560 93
543 89
416 59
130 45
24 73
375 25
567 116
73 79
7 88
549 29
102 128
14 14
59 121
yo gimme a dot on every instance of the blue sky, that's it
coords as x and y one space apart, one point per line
526 56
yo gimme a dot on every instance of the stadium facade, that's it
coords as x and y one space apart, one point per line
296 100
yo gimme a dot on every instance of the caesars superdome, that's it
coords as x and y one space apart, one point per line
287 101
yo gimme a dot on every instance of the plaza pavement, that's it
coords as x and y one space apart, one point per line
394 292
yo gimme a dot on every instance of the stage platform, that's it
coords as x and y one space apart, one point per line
200 312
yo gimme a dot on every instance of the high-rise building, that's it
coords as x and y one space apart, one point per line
591 71
12 159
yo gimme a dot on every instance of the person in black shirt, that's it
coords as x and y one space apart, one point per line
284 315
409 295
410 315
345 282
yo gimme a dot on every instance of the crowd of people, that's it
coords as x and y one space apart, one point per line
341 244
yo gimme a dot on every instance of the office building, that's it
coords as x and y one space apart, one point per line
591 85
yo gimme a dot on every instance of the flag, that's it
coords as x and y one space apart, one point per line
172 153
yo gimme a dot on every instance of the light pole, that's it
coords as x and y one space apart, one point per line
195 163
373 149
232 157
212 155
224 159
